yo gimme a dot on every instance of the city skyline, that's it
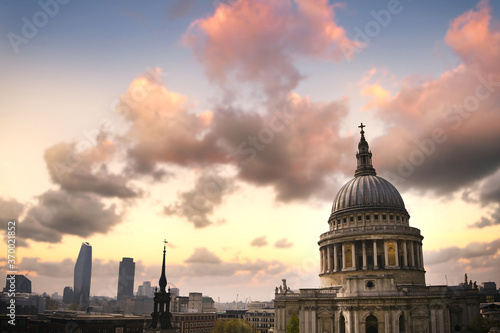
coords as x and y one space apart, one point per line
227 128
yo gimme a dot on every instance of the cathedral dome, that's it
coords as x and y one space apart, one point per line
368 191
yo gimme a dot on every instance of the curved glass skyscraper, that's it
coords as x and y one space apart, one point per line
83 271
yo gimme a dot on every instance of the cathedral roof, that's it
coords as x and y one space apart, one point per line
366 189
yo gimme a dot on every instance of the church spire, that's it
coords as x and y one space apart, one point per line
163 277
364 157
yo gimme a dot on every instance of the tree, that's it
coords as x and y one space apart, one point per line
293 324
233 326
479 324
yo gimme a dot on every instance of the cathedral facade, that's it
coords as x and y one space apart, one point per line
372 269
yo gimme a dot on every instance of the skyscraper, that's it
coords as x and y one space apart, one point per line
126 278
83 271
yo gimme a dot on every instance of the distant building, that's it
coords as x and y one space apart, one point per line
491 311
26 304
194 322
22 284
174 291
79 322
68 296
126 274
231 314
488 292
145 290
83 272
261 319
194 303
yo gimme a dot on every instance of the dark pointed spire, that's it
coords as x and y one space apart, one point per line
163 277
364 157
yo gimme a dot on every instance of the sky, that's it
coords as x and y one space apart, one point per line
227 128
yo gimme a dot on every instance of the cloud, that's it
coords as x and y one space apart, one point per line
203 256
257 41
283 244
55 269
10 210
59 212
472 38
81 167
481 259
162 130
442 134
259 241
294 148
197 204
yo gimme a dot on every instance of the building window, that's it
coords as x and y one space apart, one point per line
359 218
398 217
345 220
392 217
384 217
351 219
375 216
367 217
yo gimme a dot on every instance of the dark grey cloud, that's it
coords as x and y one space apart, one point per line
85 170
10 209
259 241
470 251
198 204
60 212
283 244
479 260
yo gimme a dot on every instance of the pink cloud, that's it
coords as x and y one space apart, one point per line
435 128
256 41
471 37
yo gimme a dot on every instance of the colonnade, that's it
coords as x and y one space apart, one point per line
357 255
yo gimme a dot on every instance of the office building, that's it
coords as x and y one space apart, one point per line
82 275
126 274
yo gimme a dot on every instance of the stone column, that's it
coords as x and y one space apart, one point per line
387 322
405 255
335 260
397 252
314 320
364 254
421 256
386 254
375 260
412 255
356 321
354 255
328 260
417 251
343 256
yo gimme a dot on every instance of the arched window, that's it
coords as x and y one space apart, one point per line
342 324
371 324
402 324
